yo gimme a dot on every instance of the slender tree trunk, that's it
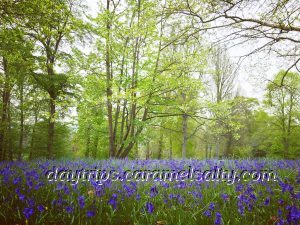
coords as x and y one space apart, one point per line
109 85
52 105
184 135
285 146
289 122
20 152
137 150
95 148
228 150
32 137
206 151
218 147
10 141
88 143
51 127
160 146
171 149
5 110
148 150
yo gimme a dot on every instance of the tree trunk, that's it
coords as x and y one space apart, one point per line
228 150
148 150
137 150
109 86
95 148
184 135
285 147
160 146
171 149
20 152
88 143
5 110
51 128
218 147
32 137
10 141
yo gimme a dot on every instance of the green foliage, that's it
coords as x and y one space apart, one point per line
134 80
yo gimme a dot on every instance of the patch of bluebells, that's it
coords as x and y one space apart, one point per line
149 207
25 189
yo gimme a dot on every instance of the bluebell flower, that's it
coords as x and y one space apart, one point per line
81 201
21 197
149 207
90 213
280 222
241 208
267 201
218 219
41 208
113 201
137 197
212 206
165 184
28 212
279 212
285 187
181 185
207 213
17 180
29 184
225 197
293 216
153 191
31 202
69 209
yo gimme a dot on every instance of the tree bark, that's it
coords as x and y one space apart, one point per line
52 105
51 127
88 143
32 137
171 149
20 152
160 146
148 150
5 110
228 151
109 86
10 141
184 134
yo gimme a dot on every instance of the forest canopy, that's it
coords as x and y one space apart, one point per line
147 79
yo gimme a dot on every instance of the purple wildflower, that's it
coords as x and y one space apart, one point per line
212 206
113 201
41 208
149 207
81 202
267 201
69 209
153 191
90 213
207 213
218 219
28 212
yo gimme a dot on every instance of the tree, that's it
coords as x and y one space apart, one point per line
50 24
15 52
224 74
283 101
274 22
